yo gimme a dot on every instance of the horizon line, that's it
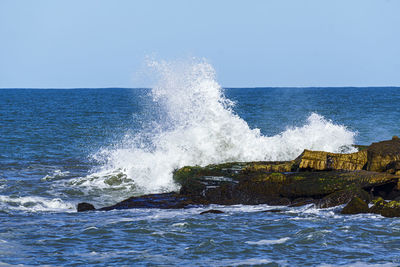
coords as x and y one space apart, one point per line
228 87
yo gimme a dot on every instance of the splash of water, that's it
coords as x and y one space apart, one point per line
197 126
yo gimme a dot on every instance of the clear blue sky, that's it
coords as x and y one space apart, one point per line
98 43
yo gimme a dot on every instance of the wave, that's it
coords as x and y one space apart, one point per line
269 242
195 124
35 204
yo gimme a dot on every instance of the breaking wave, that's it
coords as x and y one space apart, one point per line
35 204
195 125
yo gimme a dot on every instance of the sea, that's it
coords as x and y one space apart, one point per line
59 147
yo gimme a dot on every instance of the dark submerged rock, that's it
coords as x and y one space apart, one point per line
85 207
160 201
273 210
212 211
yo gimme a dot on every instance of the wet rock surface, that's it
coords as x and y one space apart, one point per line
380 206
356 206
85 207
160 201
322 161
212 212
381 154
315 177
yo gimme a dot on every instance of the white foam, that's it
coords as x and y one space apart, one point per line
35 203
179 224
195 125
269 242
56 174
245 262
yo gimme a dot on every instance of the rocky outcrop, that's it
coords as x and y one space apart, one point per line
257 187
382 207
322 161
381 154
315 177
379 157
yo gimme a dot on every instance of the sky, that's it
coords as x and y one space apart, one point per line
282 43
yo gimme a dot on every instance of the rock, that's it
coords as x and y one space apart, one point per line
327 179
390 212
274 210
271 166
213 184
375 157
85 207
386 209
321 161
279 201
222 173
356 206
393 167
342 197
212 211
381 154
298 202
160 201
379 203
386 191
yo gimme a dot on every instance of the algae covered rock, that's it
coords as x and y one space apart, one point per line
342 197
320 160
220 185
393 167
379 203
356 206
379 157
383 153
386 209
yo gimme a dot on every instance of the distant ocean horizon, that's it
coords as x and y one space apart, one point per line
101 145
223 87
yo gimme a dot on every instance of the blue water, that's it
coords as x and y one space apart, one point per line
49 140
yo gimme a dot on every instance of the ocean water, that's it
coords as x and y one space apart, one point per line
64 146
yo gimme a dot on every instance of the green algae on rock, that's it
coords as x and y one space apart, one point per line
355 206
386 209
256 187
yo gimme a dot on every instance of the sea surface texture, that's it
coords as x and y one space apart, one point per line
60 147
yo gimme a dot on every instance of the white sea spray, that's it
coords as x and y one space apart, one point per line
197 126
